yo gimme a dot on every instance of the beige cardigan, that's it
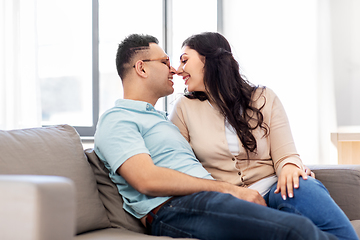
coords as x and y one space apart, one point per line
204 128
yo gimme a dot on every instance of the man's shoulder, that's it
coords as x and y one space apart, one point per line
114 113
125 109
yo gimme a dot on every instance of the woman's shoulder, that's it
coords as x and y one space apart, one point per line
186 101
263 97
185 106
263 92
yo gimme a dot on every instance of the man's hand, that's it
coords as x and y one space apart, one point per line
289 179
249 195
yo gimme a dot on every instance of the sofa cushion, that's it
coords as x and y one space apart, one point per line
343 182
55 150
356 225
121 234
110 196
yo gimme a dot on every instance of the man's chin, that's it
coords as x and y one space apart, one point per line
170 92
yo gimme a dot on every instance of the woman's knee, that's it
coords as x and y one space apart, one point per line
311 186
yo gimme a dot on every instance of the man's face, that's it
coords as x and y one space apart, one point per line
160 71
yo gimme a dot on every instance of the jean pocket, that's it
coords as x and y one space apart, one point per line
170 231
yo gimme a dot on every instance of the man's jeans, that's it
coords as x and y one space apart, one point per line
213 215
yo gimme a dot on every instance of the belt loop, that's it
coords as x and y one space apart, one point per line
152 214
150 217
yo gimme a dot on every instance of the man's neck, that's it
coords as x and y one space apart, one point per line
138 92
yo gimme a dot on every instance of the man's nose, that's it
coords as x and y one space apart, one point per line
172 70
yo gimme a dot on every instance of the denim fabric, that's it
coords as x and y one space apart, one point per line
313 201
213 215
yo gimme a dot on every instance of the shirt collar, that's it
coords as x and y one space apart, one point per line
138 105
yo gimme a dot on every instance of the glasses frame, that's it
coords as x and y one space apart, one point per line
158 59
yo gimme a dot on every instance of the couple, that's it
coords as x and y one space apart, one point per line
229 124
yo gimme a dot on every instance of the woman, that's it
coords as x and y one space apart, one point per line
240 133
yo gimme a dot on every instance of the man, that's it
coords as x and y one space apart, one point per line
161 181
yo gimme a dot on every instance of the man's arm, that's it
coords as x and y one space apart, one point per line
141 173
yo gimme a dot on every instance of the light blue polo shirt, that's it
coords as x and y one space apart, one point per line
134 127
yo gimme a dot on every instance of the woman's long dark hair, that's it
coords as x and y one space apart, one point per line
227 88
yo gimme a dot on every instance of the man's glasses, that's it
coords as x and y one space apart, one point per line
164 60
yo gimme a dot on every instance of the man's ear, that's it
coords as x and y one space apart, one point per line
140 68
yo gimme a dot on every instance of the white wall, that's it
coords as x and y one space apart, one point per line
281 44
346 59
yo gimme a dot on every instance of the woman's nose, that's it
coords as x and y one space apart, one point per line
180 70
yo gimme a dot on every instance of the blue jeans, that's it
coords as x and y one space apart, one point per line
313 201
213 215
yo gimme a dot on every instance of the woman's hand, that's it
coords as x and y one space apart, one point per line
289 179
309 172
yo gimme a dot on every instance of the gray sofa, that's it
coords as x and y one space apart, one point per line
53 189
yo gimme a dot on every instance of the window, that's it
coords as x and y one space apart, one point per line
117 19
64 58
68 47
77 47
185 22
170 21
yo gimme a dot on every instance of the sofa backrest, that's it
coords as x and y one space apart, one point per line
55 150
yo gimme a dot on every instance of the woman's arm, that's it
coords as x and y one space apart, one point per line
177 118
287 162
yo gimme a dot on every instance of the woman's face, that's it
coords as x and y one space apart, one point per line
192 69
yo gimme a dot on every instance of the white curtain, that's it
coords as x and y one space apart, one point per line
327 123
286 46
20 105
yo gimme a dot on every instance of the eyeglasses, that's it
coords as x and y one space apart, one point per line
167 60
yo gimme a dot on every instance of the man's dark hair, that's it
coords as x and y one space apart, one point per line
128 48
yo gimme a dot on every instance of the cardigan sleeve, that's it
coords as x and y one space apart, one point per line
282 146
177 117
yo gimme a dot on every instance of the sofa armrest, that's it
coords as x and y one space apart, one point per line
36 207
343 183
